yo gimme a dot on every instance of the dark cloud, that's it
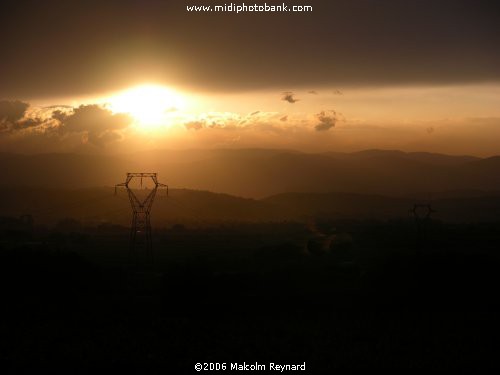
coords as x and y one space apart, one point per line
338 92
92 124
94 118
284 118
98 125
327 120
254 113
288 96
27 123
115 43
12 111
313 92
59 115
13 117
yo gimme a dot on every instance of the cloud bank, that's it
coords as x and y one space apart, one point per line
95 124
113 44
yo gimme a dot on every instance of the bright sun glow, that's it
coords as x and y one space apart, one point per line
148 104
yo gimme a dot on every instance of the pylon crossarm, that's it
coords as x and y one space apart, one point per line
123 184
139 174
160 185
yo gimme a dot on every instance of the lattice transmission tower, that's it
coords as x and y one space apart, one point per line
140 230
422 215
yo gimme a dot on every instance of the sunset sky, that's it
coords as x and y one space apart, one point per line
119 76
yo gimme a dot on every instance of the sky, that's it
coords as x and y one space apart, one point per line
113 76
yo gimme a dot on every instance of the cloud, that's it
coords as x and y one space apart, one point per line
94 118
337 92
327 120
101 139
417 44
254 113
59 115
59 127
12 111
97 124
262 123
58 106
288 96
219 120
11 114
27 123
14 117
313 92
194 125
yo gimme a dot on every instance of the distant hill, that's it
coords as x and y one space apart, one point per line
482 207
425 157
99 205
259 173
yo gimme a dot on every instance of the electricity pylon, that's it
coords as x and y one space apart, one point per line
422 214
140 230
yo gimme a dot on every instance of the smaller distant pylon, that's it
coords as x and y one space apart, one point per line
422 214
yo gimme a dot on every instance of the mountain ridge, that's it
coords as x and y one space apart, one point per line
258 173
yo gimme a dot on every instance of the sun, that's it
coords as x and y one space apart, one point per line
148 104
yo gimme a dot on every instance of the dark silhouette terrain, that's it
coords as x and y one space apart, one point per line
99 205
334 293
335 279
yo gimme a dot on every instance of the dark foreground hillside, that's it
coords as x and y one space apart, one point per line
333 294
96 206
